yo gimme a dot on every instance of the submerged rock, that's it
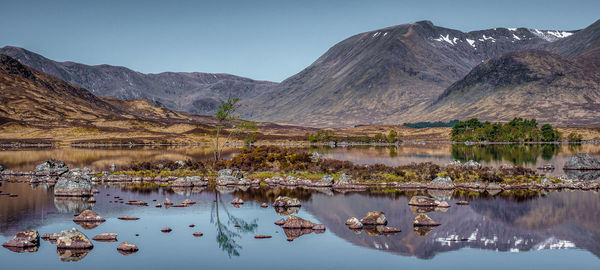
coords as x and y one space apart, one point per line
582 162
424 220
106 237
284 201
27 241
73 185
51 167
127 249
374 218
73 239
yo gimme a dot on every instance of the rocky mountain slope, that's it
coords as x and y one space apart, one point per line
532 84
561 89
199 93
35 105
391 74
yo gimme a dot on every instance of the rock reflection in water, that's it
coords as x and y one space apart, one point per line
72 255
72 204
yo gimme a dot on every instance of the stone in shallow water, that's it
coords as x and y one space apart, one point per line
27 241
260 236
354 223
424 220
197 234
127 249
294 222
423 201
284 201
89 216
106 237
73 186
73 239
374 218
237 201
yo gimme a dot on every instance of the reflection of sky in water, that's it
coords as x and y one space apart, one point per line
557 220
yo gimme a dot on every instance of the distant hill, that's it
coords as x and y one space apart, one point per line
198 93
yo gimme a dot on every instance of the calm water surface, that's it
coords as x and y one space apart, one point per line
552 230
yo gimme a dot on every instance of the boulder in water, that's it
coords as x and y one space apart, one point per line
354 223
284 201
74 185
73 239
424 220
423 201
294 222
374 218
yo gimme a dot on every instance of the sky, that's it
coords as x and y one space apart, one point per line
260 39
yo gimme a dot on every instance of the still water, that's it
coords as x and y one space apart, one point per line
547 230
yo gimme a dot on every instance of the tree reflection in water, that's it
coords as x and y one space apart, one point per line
517 154
226 236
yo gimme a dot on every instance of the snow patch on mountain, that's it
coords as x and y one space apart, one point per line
550 35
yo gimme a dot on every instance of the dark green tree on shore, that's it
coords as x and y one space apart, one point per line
517 130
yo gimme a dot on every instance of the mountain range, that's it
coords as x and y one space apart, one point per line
406 73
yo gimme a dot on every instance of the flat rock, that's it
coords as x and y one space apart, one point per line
106 237
128 218
197 234
260 236
166 230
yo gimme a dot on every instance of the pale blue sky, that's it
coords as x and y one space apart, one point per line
261 39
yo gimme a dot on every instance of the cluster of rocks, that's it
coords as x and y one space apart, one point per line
27 241
295 227
373 223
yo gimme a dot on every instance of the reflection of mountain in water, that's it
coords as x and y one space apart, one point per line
558 220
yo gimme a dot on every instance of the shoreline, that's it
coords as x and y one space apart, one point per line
306 144
198 180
